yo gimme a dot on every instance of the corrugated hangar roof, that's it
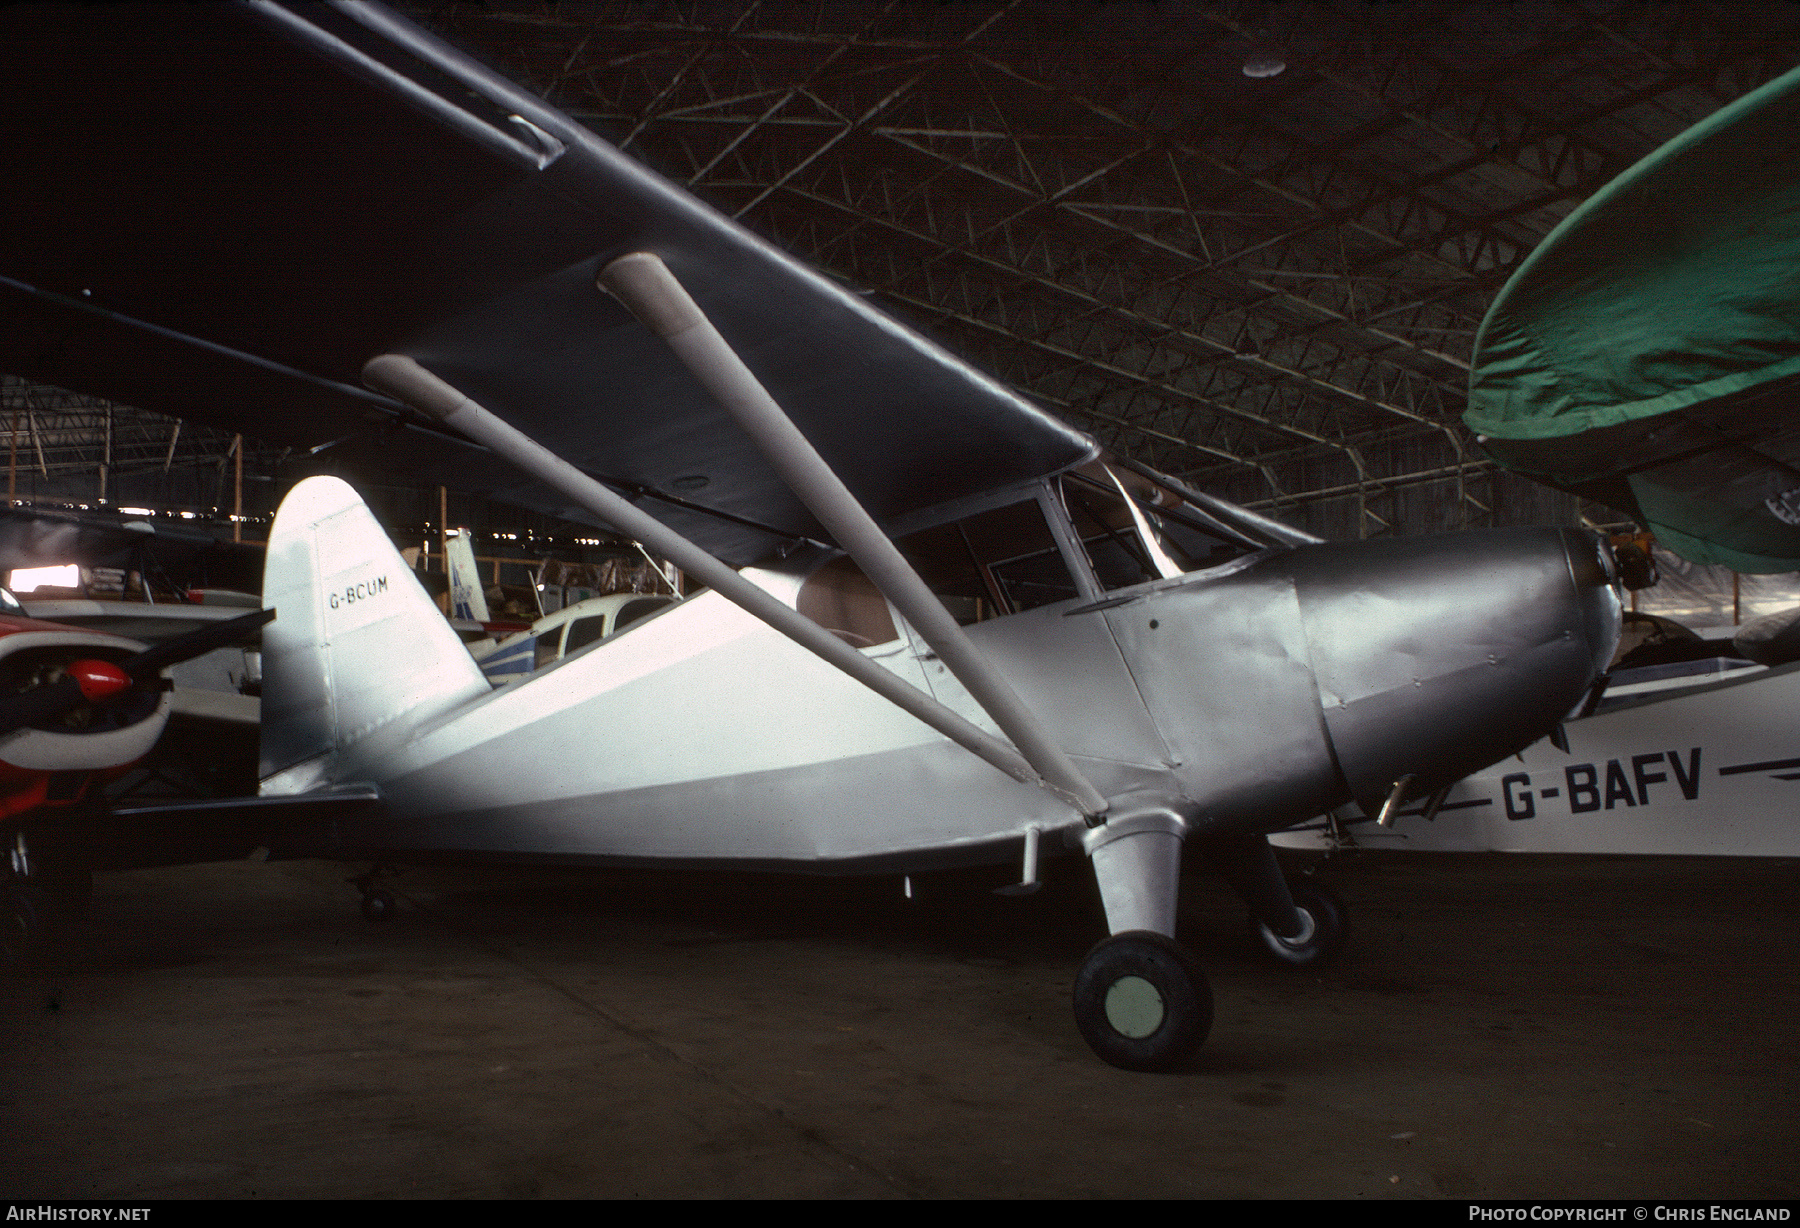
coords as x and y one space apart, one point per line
1264 281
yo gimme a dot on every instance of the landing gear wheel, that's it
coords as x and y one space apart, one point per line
378 905
377 901
1141 1002
1322 935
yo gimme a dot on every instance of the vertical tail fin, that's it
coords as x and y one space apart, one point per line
466 598
357 648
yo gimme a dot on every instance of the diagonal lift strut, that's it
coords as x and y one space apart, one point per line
644 284
403 378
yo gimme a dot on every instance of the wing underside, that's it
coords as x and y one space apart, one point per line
227 229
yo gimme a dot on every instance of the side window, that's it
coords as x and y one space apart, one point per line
993 563
584 631
846 603
1199 548
635 610
547 644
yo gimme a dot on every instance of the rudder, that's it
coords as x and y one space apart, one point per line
467 600
357 649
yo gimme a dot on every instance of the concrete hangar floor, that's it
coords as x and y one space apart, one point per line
1500 1027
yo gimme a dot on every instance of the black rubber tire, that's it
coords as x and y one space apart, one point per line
1331 928
1180 990
378 905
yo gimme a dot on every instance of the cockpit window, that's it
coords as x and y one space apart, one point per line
10 604
995 562
1145 537
632 611
1107 532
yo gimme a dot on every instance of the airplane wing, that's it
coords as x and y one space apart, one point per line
222 212
1647 354
39 537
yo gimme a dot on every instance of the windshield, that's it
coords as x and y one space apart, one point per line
1134 530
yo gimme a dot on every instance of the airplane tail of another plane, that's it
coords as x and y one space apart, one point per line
358 655
466 597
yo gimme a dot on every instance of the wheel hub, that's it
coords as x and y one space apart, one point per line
1134 1007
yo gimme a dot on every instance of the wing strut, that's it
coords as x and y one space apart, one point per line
406 380
651 292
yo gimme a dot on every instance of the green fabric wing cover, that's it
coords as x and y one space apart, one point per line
1647 354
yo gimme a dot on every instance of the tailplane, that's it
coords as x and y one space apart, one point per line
358 655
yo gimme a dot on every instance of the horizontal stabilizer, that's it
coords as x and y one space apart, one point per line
322 823
338 800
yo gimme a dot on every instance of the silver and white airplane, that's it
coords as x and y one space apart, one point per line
938 628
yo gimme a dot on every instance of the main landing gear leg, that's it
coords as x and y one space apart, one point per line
1299 924
1141 1001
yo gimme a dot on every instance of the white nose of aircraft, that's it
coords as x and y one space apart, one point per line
1436 656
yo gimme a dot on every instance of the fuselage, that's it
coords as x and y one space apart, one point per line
1259 692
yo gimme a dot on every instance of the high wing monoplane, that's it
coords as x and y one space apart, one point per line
938 627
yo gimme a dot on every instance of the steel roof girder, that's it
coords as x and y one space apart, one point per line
1232 349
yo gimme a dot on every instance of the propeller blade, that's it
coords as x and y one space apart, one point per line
144 667
90 681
